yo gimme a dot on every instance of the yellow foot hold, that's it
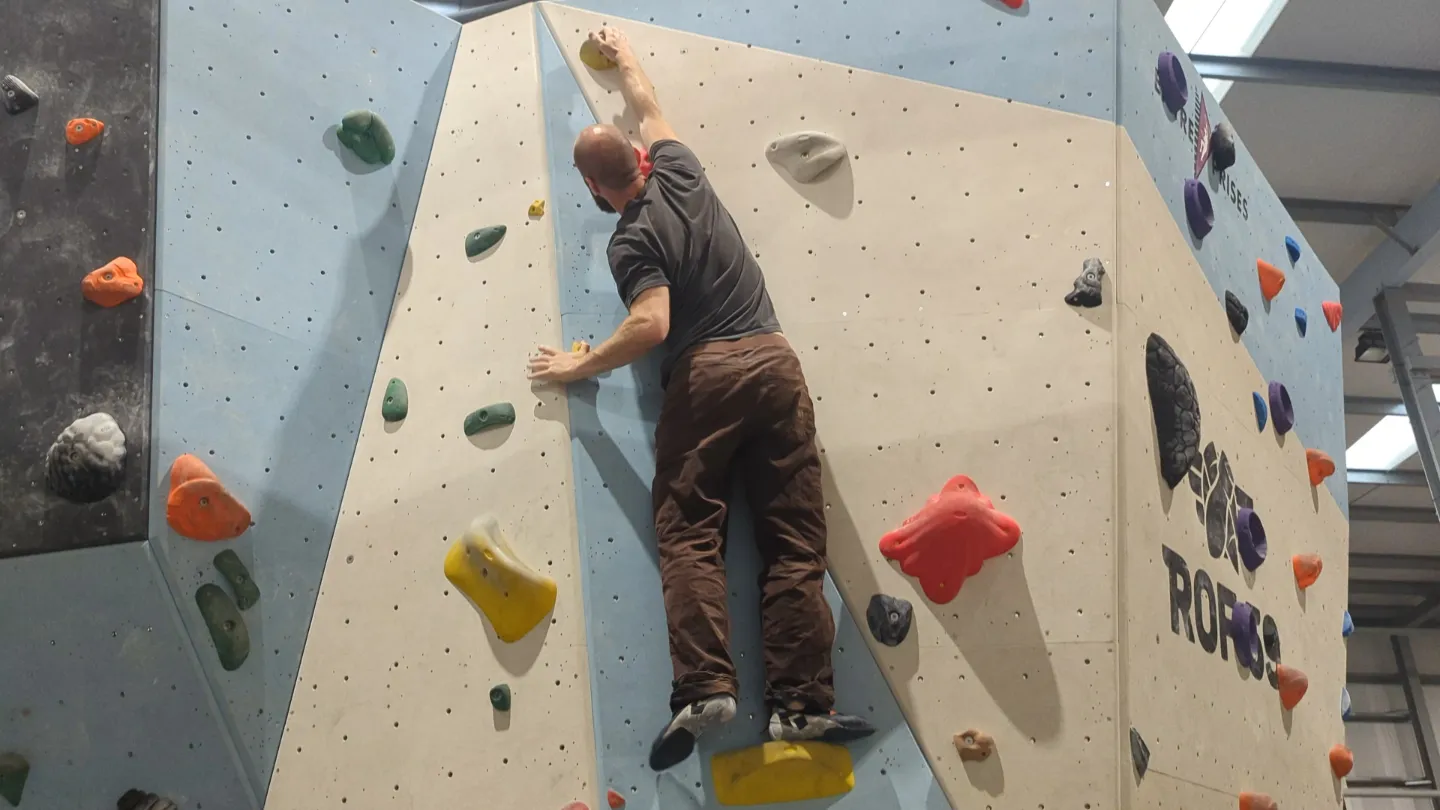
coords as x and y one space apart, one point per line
484 567
781 772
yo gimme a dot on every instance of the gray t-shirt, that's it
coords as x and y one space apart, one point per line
677 233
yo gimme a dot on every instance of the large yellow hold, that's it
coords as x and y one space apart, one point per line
781 772
484 567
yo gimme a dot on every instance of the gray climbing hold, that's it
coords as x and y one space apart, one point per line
87 462
1139 753
247 593
14 771
140 800
227 628
1222 146
482 239
805 155
364 133
18 97
1176 410
396 405
490 416
889 619
1087 285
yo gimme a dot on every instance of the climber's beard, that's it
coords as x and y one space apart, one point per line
601 204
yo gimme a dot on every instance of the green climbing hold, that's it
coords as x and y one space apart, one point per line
365 134
227 629
247 593
490 416
397 401
482 239
500 697
14 770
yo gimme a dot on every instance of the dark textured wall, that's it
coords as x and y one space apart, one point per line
65 211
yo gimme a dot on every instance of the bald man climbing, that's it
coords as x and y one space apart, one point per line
735 401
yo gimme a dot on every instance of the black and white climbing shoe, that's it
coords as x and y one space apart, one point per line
831 728
677 741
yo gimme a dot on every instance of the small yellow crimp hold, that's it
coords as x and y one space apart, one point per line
777 772
579 346
537 208
593 57
482 566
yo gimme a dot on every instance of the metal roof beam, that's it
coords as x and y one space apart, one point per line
1374 406
1385 478
1392 514
1390 264
1338 75
1343 212
1395 562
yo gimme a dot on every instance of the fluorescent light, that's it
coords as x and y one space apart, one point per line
1222 28
1384 446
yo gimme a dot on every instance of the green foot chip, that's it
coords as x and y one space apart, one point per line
490 416
227 629
365 134
397 401
14 770
247 593
483 239
500 697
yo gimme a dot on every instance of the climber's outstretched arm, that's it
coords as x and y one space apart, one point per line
634 85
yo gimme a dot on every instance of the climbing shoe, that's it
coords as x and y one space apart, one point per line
793 726
678 739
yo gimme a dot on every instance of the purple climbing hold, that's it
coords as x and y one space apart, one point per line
1260 410
1250 533
1301 321
1174 89
1282 412
1244 628
1199 211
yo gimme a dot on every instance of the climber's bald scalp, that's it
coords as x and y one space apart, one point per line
604 155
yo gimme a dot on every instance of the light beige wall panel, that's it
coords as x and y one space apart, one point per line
922 288
1206 721
391 708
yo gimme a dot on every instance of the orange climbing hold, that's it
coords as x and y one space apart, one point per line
1333 313
113 284
615 800
947 541
199 507
83 130
1013 3
1256 801
1342 761
1320 464
1272 279
1293 684
1307 569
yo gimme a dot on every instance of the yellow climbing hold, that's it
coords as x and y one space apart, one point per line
484 567
781 772
537 208
593 57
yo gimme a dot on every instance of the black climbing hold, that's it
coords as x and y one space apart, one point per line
247 593
1222 146
482 239
1250 535
1176 410
1174 88
1292 248
491 416
87 462
14 771
1270 634
1245 630
500 697
1087 285
889 619
18 97
365 133
1282 411
140 800
1199 211
396 405
1139 753
227 628
1301 321
1237 313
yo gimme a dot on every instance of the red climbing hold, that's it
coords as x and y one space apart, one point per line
1307 569
1272 279
576 806
1256 801
113 284
1320 464
1333 313
643 158
1342 761
83 130
949 539
1293 684
1013 3
615 800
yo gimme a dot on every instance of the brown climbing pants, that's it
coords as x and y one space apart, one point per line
742 406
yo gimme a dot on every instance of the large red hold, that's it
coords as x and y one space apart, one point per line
947 541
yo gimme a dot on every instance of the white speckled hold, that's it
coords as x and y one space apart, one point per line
87 462
806 155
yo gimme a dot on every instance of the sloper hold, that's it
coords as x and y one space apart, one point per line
806 155
1244 622
86 463
80 131
140 800
490 416
593 57
1342 761
396 405
247 593
1087 291
482 239
1139 753
1272 279
483 566
948 540
1256 801
114 284
1292 249
1237 313
1307 569
889 619
1199 210
500 697
17 95
775 772
227 628
1293 685
1302 321
199 507
1282 410
614 799
1250 537
1320 466
974 745
1334 313
1222 146
364 133
1261 411
1176 410
14 772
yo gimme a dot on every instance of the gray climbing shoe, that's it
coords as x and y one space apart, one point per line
677 741
831 728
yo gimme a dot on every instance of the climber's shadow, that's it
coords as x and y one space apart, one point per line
988 775
516 657
832 192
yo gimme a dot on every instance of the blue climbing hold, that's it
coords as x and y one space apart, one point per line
1344 703
1293 248
1301 321
1347 625
1261 411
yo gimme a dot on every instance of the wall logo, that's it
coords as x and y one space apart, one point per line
1196 121
1217 499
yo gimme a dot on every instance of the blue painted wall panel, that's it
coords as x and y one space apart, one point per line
100 690
1055 54
612 425
1250 224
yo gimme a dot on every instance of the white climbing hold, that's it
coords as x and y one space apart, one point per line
87 462
806 155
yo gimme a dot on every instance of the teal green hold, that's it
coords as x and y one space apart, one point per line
227 628
396 405
490 416
247 593
482 239
364 133
15 770
500 697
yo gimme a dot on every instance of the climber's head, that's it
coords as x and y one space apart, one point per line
607 161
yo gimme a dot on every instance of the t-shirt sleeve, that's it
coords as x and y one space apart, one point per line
672 159
636 269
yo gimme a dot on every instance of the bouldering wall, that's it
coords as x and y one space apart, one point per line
1213 723
65 211
393 699
921 283
278 261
